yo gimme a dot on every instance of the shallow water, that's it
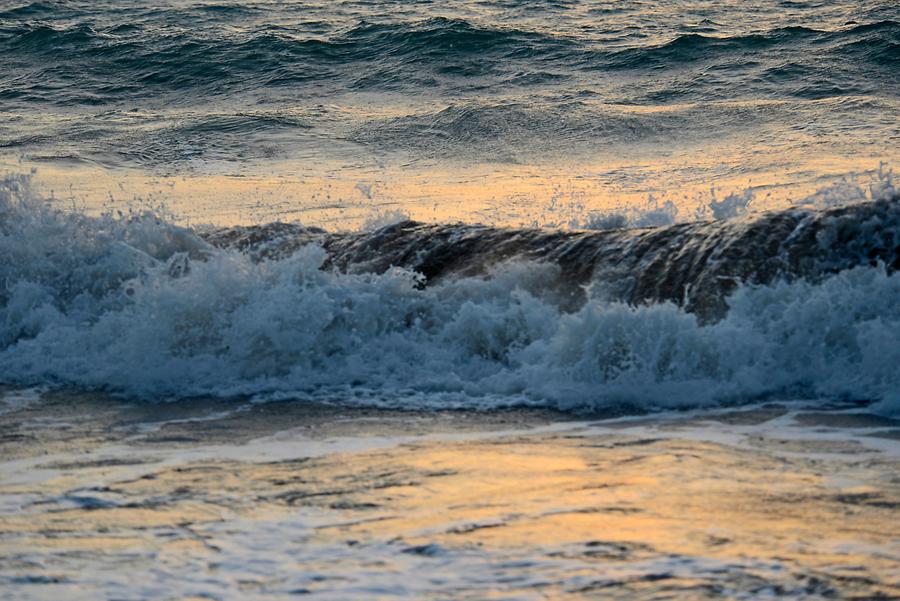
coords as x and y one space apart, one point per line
222 501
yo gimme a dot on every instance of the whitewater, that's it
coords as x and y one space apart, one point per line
140 307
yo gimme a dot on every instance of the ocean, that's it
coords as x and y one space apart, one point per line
514 113
449 300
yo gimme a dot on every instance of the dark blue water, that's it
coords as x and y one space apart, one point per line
125 84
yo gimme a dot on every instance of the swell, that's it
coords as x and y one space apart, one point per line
875 38
420 41
695 264
794 62
114 62
86 63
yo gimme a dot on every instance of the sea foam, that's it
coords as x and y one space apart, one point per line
140 307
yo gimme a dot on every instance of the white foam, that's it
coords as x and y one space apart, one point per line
141 307
658 212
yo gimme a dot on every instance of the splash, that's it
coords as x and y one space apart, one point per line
135 305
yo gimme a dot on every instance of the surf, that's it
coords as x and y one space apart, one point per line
800 303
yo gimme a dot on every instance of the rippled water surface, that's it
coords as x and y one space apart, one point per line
105 500
343 103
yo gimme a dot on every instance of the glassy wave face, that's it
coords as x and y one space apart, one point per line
124 83
424 317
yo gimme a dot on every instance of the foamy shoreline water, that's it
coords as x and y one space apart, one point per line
772 500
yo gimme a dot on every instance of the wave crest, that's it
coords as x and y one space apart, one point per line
135 305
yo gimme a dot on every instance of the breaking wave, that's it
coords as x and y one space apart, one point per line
800 303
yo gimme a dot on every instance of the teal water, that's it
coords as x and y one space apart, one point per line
126 84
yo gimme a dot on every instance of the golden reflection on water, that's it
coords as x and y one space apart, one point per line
341 197
675 497
619 498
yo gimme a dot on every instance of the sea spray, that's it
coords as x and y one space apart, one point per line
139 307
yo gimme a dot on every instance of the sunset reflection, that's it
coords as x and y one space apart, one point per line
594 504
542 195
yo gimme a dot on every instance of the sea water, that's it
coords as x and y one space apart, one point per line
286 288
503 112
